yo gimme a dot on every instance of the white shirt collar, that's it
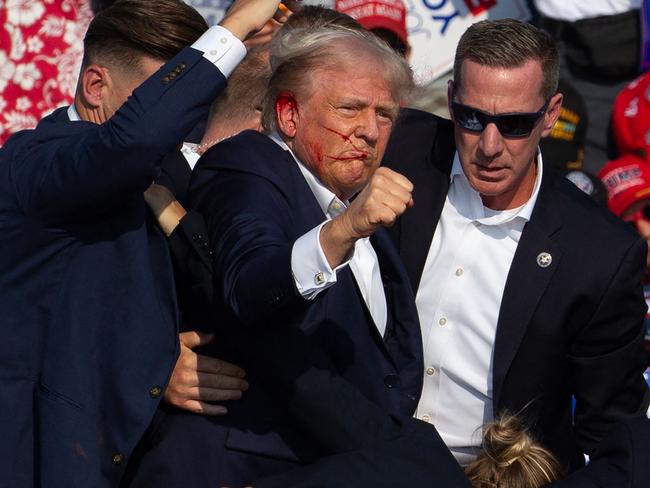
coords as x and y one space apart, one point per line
469 203
326 199
73 115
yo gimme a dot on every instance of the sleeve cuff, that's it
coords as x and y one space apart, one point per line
311 271
221 48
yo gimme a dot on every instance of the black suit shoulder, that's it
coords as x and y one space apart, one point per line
591 224
420 136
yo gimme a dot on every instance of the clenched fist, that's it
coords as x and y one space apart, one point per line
385 197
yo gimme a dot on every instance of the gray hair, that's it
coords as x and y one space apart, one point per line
509 43
298 53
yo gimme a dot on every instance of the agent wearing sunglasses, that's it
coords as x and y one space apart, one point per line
527 292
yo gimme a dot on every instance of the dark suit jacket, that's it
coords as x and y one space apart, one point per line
257 203
373 449
573 328
86 287
188 243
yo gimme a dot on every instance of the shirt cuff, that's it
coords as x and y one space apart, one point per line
221 48
311 271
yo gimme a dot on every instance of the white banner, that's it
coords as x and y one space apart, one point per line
435 26
211 10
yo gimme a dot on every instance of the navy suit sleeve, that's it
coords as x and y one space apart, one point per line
622 460
76 170
607 355
249 223
192 260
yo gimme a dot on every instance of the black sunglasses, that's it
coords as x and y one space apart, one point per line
513 124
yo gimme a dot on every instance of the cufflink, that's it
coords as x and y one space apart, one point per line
319 278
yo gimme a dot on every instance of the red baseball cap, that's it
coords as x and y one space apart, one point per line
631 118
377 14
627 180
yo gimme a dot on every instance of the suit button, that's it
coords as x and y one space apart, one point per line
195 237
118 458
155 391
390 380
389 334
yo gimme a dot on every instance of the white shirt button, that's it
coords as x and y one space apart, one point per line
431 371
442 321
214 52
426 418
223 40
459 272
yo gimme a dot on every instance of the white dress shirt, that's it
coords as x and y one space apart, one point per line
572 10
312 272
458 304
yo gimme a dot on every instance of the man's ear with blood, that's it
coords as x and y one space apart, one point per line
286 111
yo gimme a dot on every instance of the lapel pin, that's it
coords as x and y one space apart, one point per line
544 259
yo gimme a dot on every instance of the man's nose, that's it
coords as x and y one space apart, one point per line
368 126
491 141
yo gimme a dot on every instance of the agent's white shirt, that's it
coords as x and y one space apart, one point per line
572 10
458 303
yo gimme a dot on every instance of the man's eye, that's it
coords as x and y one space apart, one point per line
347 109
385 115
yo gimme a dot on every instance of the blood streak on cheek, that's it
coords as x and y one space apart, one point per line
340 134
349 141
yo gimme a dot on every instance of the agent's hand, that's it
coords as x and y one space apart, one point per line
246 17
385 197
198 380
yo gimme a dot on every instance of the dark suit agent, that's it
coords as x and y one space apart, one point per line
527 292
89 313
293 257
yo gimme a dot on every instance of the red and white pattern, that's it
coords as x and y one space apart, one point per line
41 46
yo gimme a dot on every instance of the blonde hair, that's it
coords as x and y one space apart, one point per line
511 458
297 53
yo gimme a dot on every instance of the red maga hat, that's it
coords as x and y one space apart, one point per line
627 180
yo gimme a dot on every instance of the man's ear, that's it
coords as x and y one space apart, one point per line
552 113
94 78
286 112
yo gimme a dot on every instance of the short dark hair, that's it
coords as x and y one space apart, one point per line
315 16
129 30
245 92
509 43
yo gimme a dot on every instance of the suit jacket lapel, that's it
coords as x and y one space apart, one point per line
527 280
419 223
